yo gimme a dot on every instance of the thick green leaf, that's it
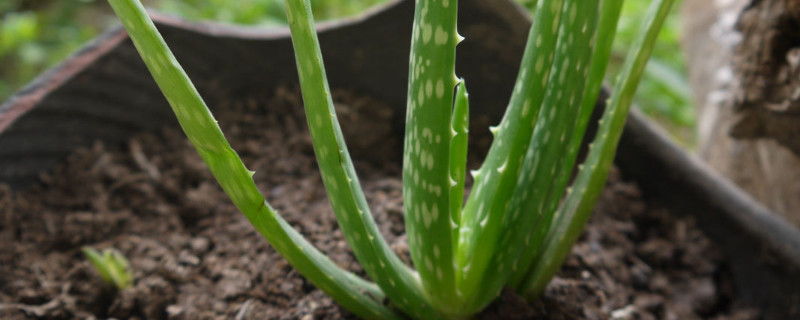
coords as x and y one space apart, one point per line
487 205
426 166
609 16
589 183
458 155
547 146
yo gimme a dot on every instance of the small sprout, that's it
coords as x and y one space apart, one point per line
112 267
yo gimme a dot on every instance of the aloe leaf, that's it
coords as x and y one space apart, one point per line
353 293
606 30
426 165
547 145
576 209
458 155
396 279
487 205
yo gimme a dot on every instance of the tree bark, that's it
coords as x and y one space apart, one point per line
767 63
744 65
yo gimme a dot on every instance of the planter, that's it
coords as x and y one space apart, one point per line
105 93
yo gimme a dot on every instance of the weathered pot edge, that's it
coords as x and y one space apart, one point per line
27 97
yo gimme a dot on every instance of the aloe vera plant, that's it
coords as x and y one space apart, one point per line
520 219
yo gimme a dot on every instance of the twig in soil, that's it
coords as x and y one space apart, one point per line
61 301
37 311
142 162
244 310
623 313
127 181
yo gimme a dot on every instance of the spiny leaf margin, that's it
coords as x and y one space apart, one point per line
589 183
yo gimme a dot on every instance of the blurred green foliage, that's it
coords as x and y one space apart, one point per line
36 34
257 12
664 92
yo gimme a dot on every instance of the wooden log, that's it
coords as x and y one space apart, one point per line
736 101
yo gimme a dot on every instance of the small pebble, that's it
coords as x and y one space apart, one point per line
200 244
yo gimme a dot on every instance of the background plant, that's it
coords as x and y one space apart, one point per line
514 229
35 34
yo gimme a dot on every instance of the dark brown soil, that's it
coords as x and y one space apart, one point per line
195 257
